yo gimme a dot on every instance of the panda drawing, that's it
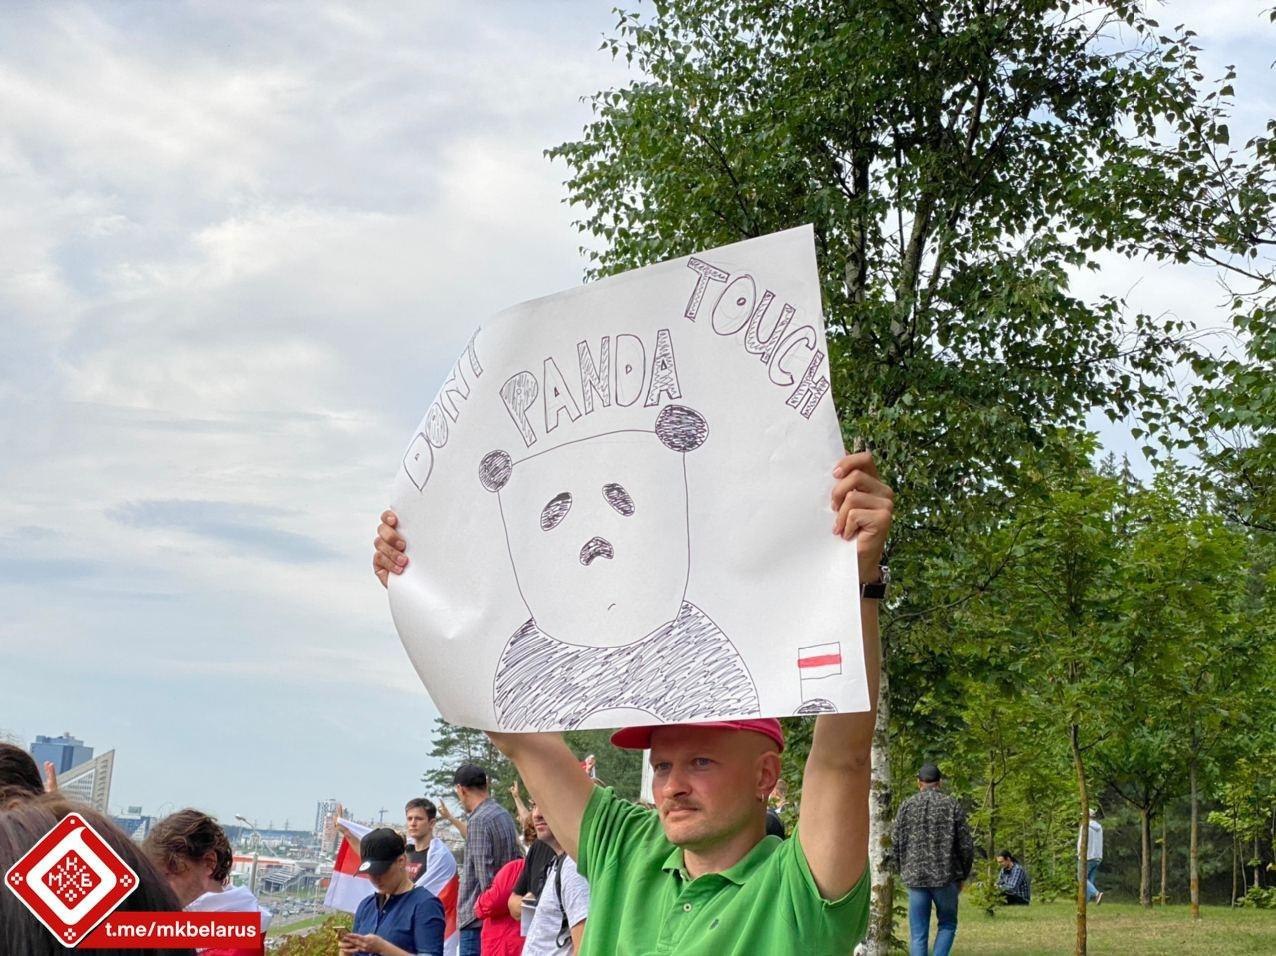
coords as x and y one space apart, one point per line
598 537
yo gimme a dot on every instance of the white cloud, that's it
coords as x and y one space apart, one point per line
240 250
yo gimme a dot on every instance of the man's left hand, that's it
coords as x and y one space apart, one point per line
864 505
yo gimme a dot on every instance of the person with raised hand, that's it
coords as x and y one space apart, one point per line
671 877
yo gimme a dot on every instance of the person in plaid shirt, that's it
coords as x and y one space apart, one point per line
1013 880
491 841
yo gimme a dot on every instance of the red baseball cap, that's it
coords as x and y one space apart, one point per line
639 738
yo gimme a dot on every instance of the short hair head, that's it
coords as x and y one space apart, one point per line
929 774
728 794
186 837
18 769
470 776
421 803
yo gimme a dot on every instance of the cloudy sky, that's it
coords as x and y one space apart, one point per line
240 244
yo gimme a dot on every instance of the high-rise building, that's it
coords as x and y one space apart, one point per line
90 781
323 810
63 752
326 825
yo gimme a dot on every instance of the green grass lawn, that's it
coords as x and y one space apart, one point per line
1120 929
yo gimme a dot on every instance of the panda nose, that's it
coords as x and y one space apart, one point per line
596 548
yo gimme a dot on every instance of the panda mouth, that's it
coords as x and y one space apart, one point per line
596 548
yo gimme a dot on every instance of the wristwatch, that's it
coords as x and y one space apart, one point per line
876 590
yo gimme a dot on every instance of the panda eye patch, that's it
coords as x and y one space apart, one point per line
618 498
556 510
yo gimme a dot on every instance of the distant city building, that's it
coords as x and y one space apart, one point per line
323 810
326 825
63 752
287 842
90 782
135 823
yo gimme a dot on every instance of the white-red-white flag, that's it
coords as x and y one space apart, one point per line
820 660
348 887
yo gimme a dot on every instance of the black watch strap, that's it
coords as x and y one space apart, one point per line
876 590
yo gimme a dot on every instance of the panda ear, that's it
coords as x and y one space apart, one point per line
680 428
495 470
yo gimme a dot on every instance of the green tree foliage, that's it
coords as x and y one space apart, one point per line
959 161
1055 618
1136 622
1235 411
621 769
1216 644
1247 811
455 745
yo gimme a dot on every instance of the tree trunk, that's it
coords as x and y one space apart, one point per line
1258 862
1165 850
877 942
1074 739
1193 874
992 817
1236 861
1145 860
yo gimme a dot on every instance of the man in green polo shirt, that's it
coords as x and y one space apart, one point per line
698 876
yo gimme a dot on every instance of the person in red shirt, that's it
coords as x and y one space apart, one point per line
501 935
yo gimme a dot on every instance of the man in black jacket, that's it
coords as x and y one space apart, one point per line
934 853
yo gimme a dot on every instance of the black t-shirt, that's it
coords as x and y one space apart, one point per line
774 825
416 862
535 869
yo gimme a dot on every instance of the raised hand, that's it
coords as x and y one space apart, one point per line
864 505
389 549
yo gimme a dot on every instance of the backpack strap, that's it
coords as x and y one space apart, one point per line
564 931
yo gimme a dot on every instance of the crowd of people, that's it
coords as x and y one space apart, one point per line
706 868
695 873
518 891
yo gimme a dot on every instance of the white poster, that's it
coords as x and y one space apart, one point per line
618 509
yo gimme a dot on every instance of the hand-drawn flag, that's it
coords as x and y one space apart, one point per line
349 887
820 660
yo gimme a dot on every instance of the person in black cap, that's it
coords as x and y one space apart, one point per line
399 919
934 852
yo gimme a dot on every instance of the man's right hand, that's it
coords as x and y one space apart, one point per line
389 556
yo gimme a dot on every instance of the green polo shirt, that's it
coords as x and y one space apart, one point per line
643 903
